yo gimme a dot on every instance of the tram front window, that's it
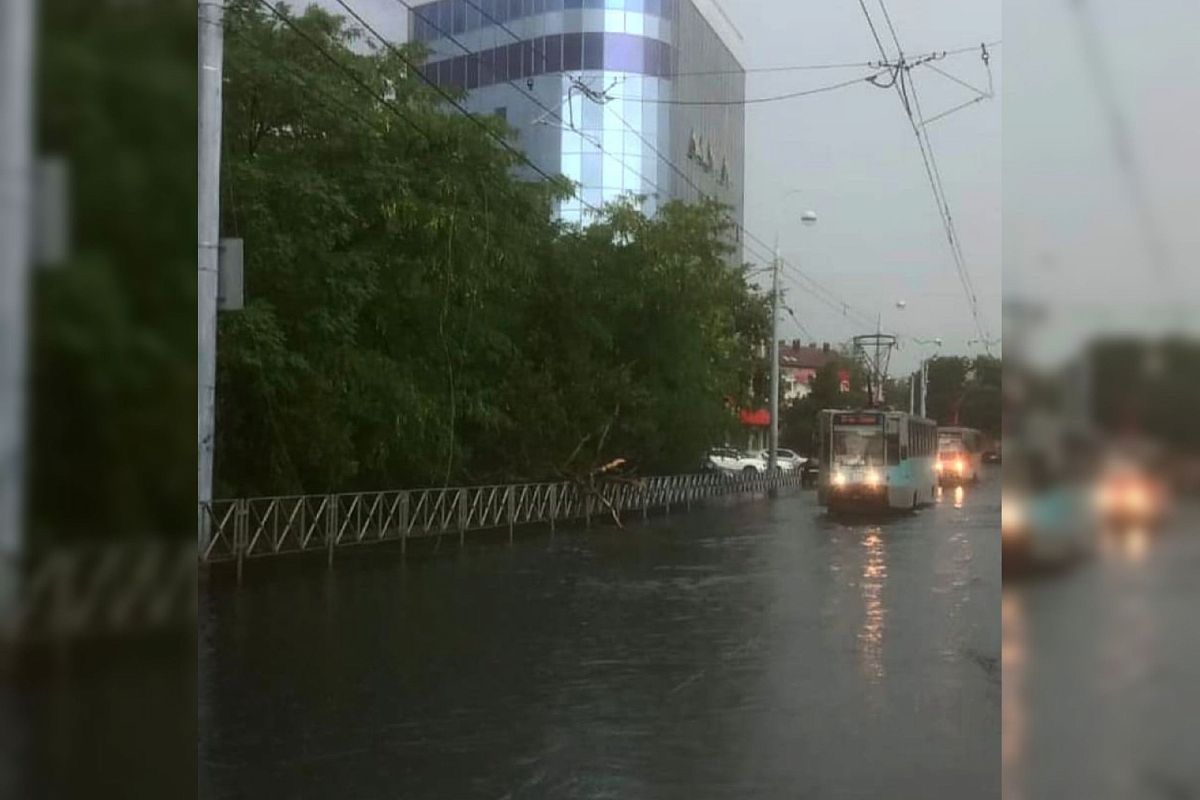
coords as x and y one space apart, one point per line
858 448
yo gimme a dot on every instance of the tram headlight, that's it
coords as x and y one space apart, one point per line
1012 517
872 478
839 479
1136 498
958 466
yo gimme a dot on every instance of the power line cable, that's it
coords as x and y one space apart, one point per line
345 69
960 260
527 94
836 304
756 100
903 84
874 33
446 95
888 18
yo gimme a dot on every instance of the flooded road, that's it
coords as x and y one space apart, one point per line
755 650
1100 672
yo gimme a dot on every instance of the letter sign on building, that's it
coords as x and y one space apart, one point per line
701 151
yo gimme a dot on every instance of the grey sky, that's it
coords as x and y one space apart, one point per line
1071 234
851 156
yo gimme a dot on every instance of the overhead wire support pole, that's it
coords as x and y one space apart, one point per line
211 30
774 405
16 160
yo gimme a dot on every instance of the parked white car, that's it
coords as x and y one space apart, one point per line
730 459
788 460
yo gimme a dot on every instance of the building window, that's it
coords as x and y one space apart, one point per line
515 61
472 71
459 74
487 67
593 51
572 58
552 51
624 52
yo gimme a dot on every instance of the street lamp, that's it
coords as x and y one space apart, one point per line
808 218
924 373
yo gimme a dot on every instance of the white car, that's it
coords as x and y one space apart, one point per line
729 459
788 460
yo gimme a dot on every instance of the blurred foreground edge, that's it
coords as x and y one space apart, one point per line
112 591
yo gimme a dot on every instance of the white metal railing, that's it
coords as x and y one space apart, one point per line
264 526
117 588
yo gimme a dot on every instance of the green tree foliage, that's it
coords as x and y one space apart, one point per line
112 364
967 392
1149 388
414 316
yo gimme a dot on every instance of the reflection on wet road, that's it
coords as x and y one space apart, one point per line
1100 695
757 650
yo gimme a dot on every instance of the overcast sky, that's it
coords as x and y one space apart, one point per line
851 156
1072 237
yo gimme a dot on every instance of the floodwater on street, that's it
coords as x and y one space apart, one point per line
758 649
1100 697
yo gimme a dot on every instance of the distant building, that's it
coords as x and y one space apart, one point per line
798 366
611 71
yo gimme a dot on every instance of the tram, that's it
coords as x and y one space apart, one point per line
876 460
960 455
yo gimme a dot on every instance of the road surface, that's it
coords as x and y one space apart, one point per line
1100 672
753 650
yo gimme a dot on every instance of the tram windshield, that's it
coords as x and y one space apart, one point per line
858 447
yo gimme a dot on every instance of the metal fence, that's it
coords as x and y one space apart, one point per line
265 526
110 589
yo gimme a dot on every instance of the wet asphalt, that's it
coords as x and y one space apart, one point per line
757 649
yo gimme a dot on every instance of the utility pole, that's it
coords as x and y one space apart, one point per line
774 443
16 161
208 215
924 384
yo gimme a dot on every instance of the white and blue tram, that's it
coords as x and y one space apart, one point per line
876 460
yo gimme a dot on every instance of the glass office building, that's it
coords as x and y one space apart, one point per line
602 91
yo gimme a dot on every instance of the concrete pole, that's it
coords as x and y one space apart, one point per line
16 160
924 383
774 442
208 215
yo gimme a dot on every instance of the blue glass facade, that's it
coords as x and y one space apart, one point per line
548 55
432 21
525 59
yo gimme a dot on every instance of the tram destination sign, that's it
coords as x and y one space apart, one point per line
857 419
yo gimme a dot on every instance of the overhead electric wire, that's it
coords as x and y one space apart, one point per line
888 18
972 48
545 66
903 84
874 33
304 81
446 95
528 95
756 100
836 303
348 71
957 80
1122 142
960 260
842 310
